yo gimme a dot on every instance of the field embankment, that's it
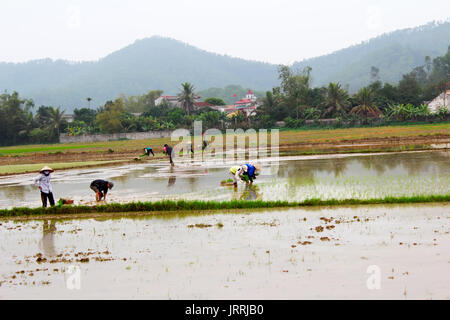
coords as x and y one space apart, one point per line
186 206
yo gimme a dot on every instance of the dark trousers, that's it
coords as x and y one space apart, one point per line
150 151
49 196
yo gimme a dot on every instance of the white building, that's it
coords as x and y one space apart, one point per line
443 100
172 100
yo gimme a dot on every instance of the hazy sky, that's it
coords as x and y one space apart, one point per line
279 31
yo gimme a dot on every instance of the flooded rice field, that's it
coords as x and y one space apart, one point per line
377 252
296 178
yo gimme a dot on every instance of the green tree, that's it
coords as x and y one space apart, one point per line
366 107
296 87
16 119
55 122
86 115
187 97
409 90
109 120
336 100
215 101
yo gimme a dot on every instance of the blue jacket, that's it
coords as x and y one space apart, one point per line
251 171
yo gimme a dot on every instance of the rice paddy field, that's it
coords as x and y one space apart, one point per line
287 137
315 253
325 250
291 179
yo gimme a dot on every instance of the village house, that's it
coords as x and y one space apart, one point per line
443 100
69 117
172 100
247 105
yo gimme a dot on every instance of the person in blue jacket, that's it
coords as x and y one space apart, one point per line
251 172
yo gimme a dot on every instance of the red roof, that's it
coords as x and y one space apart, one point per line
202 104
169 97
244 101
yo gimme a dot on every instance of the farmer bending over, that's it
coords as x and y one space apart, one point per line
149 150
251 172
238 173
168 151
42 181
101 187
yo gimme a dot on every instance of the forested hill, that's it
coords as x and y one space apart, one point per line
153 63
394 54
161 63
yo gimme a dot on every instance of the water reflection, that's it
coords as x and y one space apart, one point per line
368 175
172 178
47 243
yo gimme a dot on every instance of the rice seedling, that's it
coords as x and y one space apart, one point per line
198 205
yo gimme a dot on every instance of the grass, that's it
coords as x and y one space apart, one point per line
287 137
25 168
182 205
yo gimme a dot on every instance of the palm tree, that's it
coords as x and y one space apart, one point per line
366 107
187 97
55 119
336 100
89 101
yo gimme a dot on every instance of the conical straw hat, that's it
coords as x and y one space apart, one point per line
46 169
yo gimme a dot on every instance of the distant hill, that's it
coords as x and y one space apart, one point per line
394 54
162 63
153 63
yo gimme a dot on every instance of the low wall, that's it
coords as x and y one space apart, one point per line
64 138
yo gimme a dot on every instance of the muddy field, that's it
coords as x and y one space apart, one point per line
320 253
418 137
295 178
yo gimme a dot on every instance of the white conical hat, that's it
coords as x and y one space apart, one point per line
46 169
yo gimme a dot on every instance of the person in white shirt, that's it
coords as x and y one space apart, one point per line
237 173
42 181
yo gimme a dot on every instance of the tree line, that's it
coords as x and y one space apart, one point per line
294 101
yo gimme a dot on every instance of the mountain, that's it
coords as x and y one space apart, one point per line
394 54
162 63
152 63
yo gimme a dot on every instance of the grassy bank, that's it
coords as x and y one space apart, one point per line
181 205
287 137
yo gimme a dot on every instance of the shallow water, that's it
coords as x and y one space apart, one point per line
261 255
297 178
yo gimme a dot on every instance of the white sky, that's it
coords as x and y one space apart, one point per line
281 31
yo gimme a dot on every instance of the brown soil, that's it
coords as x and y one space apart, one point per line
129 156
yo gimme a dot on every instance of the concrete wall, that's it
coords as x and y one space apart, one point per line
443 100
64 138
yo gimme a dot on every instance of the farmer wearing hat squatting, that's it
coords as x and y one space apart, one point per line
42 181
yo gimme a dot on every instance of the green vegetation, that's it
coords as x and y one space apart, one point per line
163 63
295 102
229 94
288 137
182 205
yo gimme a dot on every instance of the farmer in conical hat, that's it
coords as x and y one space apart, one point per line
42 181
